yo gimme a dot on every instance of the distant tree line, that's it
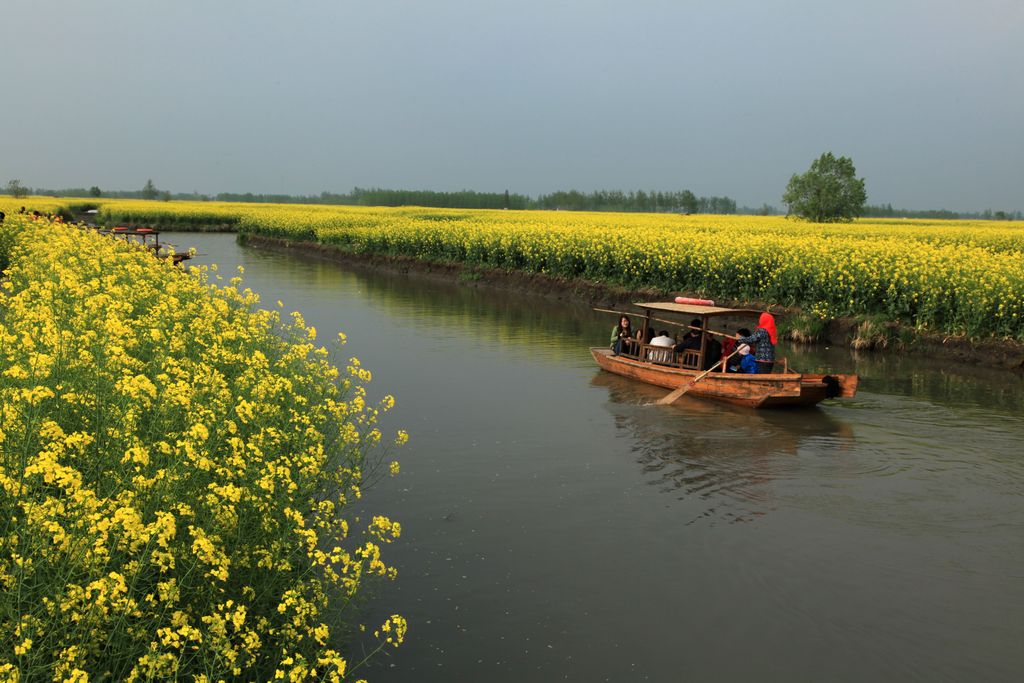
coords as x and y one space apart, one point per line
683 201
149 191
249 197
887 211
567 200
463 199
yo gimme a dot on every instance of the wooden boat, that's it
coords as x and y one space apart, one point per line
670 369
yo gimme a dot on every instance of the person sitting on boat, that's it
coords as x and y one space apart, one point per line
691 340
645 336
712 353
665 341
763 342
748 364
622 336
729 346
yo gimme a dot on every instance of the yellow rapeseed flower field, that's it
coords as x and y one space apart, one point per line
176 465
954 277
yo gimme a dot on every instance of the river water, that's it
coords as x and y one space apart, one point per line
556 526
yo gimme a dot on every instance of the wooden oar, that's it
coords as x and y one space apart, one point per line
671 398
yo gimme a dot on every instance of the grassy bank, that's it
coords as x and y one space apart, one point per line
178 467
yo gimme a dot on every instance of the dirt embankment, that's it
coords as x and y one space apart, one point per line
890 337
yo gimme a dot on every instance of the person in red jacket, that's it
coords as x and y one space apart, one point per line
763 342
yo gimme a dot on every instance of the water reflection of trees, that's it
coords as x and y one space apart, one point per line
721 459
556 329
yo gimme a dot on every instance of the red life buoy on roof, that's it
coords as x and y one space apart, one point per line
694 302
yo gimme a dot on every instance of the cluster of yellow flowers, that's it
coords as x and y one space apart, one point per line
45 205
175 466
960 277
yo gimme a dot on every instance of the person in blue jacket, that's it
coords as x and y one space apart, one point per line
748 363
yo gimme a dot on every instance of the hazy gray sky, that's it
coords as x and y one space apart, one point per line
723 97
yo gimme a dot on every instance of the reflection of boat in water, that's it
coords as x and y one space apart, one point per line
787 428
670 369
724 463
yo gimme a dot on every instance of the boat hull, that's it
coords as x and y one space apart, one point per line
775 390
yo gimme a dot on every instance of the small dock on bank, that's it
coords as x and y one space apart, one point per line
147 238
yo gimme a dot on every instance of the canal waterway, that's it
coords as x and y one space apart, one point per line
557 526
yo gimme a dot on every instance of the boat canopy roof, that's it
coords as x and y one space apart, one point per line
690 309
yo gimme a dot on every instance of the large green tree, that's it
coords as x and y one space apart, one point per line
827 193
